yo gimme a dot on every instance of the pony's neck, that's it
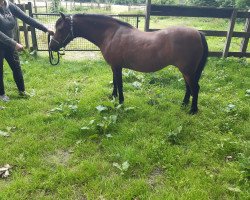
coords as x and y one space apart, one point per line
94 29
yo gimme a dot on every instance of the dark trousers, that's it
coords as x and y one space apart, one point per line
12 58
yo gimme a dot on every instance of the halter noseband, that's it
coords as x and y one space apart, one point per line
70 35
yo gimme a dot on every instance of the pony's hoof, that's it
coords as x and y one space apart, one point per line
193 111
121 101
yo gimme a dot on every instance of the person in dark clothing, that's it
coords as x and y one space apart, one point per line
9 47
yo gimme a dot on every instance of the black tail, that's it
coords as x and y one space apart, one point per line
204 57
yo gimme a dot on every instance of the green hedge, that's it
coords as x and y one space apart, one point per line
244 4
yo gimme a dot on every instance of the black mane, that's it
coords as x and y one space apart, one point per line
106 17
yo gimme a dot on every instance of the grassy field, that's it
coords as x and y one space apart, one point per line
70 141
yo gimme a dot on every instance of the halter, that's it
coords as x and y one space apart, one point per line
52 60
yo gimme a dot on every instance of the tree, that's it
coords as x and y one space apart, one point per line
55 6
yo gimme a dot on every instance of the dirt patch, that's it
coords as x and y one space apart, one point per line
60 157
156 177
77 55
82 55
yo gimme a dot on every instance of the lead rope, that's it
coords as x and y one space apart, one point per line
53 61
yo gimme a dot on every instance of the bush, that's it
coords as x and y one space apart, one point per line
62 9
243 4
226 3
80 8
164 2
203 2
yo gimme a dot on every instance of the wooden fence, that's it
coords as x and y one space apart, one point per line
231 14
158 10
23 27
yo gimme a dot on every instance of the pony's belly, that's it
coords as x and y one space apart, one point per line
145 67
150 59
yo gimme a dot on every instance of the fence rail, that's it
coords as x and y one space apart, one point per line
191 11
231 14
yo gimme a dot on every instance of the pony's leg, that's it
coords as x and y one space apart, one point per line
114 93
187 95
194 86
119 84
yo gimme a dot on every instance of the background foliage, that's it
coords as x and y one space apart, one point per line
55 6
221 3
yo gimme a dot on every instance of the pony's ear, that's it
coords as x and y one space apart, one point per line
62 15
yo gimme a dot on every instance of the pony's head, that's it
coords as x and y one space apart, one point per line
63 34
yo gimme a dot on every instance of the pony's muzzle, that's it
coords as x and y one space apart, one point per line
54 45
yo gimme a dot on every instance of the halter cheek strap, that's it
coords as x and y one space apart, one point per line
71 26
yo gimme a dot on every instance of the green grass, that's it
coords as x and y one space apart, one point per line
153 150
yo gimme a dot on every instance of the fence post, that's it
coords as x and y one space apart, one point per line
137 21
25 29
230 33
46 5
147 17
17 32
35 7
16 29
32 29
244 43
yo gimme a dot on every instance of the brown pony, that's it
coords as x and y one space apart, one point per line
124 46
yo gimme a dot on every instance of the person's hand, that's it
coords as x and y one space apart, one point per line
50 32
19 47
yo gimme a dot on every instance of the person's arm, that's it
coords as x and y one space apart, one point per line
7 40
10 42
17 12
